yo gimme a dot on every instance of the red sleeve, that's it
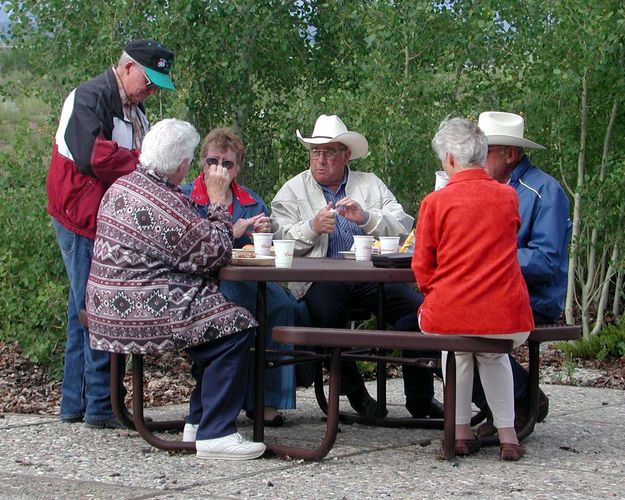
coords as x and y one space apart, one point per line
110 161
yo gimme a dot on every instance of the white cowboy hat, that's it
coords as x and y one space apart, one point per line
505 129
332 129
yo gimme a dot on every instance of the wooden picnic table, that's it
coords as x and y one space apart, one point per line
305 269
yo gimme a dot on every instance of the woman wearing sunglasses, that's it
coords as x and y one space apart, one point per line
250 214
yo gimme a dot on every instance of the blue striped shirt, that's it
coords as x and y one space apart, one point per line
342 238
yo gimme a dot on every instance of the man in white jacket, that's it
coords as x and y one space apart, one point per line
322 209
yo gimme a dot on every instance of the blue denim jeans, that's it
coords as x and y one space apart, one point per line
85 391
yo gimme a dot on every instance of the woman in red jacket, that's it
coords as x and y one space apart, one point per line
465 263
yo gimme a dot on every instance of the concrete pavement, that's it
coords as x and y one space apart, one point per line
578 452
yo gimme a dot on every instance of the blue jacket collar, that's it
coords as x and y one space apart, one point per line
520 170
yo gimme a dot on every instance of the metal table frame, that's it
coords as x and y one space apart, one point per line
305 270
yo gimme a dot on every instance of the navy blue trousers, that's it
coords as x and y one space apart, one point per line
329 305
221 373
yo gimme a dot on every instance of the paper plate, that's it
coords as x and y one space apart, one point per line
258 261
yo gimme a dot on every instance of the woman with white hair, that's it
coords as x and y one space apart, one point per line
466 266
153 285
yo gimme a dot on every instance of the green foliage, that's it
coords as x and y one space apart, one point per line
609 343
32 277
391 70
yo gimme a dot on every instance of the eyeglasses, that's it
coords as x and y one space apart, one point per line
330 154
496 148
228 164
149 84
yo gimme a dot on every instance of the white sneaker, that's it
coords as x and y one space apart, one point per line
189 432
232 447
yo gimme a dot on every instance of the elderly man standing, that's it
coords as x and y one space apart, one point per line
153 284
542 241
322 209
98 140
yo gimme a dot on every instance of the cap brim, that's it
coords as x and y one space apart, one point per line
159 79
507 140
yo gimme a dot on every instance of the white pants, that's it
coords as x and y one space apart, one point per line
496 375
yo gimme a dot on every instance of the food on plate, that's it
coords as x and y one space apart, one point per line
244 253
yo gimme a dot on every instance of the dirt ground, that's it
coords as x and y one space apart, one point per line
28 388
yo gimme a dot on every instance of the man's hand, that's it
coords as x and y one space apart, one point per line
323 222
351 210
259 223
217 183
262 224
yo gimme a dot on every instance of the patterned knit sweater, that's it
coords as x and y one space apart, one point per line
153 283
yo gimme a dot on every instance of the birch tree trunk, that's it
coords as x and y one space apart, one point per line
618 290
605 291
570 292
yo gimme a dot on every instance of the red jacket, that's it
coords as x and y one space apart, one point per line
465 259
92 148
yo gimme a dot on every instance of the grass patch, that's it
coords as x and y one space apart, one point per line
608 343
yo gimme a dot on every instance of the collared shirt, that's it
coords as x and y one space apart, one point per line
342 238
131 114
199 194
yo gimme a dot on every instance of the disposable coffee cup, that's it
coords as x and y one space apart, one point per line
262 243
441 180
362 247
284 252
389 244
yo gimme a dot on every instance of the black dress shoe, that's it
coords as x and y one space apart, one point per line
109 423
522 415
522 410
276 421
128 415
432 408
71 420
365 405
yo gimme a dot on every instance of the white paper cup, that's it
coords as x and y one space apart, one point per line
389 244
284 252
262 243
441 180
362 247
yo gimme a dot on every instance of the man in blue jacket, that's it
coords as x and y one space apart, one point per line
542 240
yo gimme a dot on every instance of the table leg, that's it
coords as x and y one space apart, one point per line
381 366
259 361
449 395
118 404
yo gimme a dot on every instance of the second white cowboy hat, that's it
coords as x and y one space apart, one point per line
505 129
332 129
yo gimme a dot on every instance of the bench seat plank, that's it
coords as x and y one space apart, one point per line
387 339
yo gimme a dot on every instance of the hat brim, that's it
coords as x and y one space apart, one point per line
159 79
508 140
357 143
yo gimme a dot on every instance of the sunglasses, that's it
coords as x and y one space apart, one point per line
217 161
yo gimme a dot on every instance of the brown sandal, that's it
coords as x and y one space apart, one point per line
465 447
511 452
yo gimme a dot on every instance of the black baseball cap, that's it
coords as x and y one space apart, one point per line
155 59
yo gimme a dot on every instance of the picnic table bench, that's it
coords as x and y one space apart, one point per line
335 339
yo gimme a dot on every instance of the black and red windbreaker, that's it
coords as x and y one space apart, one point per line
92 148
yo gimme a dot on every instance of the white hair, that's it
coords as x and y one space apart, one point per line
168 143
124 58
463 139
